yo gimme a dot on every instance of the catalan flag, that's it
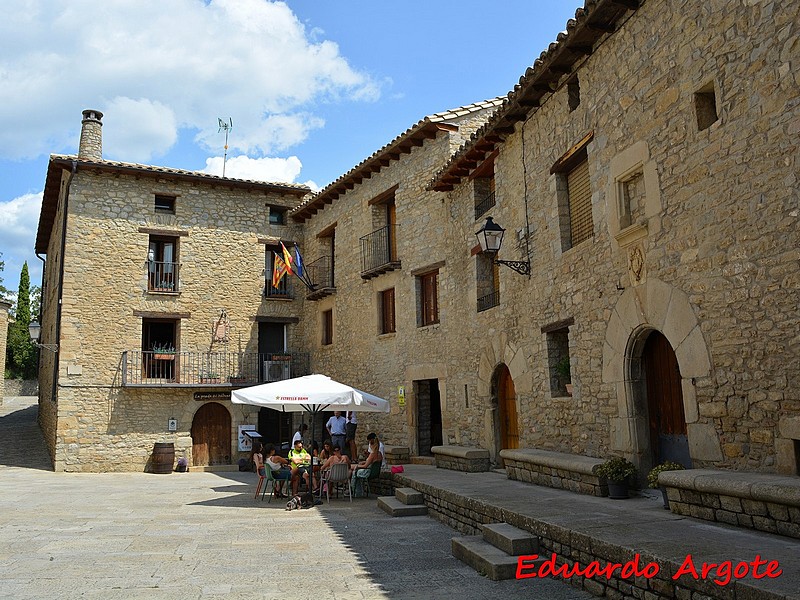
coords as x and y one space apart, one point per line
279 270
287 259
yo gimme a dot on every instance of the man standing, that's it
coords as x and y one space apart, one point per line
350 433
336 428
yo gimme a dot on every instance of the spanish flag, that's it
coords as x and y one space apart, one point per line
280 269
287 259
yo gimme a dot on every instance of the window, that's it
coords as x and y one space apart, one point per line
284 289
487 281
581 227
159 344
483 190
573 93
558 361
631 194
277 216
705 106
327 327
162 265
386 311
165 204
427 299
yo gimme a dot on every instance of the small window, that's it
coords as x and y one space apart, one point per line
573 93
284 289
327 327
483 189
558 360
277 216
162 264
386 311
427 299
705 106
165 204
487 281
631 194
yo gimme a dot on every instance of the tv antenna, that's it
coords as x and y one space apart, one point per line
227 126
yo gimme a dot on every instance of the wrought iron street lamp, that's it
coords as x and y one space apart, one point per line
35 330
490 238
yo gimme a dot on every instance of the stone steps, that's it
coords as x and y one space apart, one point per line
495 553
406 502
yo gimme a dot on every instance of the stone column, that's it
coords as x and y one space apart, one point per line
91 144
5 321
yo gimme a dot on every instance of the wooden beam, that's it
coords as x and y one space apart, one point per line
528 102
629 4
508 130
605 28
580 49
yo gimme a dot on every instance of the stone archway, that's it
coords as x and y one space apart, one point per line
655 305
500 352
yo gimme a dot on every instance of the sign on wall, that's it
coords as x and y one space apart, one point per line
245 441
401 395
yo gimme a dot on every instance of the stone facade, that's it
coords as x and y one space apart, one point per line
5 321
101 411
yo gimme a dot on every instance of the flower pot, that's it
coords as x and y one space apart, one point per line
618 490
569 388
210 380
164 356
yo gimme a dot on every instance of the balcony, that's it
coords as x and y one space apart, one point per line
320 272
379 252
210 369
162 276
484 205
282 292
488 301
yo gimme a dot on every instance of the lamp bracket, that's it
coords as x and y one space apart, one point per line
52 347
523 267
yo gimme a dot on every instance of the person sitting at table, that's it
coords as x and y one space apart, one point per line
281 471
361 470
300 461
327 451
336 458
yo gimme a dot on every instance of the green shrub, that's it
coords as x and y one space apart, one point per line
616 469
652 476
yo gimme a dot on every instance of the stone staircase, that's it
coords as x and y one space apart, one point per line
406 502
495 553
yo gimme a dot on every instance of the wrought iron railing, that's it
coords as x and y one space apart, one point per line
210 368
284 289
320 272
162 276
488 301
484 205
378 248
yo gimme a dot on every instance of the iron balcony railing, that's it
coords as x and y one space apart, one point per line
284 289
488 301
379 250
162 276
484 205
320 272
148 368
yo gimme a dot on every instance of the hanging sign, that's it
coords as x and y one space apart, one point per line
401 395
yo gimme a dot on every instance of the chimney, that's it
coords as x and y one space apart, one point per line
91 145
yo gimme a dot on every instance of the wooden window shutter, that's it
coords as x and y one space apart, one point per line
430 307
580 204
387 311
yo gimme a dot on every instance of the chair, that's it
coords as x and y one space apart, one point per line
270 479
374 472
338 475
265 478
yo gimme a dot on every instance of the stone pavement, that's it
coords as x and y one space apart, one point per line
202 535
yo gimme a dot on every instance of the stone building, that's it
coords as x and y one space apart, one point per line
5 321
648 175
156 294
645 173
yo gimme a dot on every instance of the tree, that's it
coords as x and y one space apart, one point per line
21 354
3 290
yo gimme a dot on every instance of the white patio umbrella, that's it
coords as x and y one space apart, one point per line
311 393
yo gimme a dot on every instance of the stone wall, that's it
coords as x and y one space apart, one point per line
696 266
21 387
5 321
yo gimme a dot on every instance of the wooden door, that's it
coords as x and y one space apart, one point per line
211 435
507 408
668 440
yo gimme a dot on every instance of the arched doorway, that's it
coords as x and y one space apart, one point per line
667 421
506 398
211 435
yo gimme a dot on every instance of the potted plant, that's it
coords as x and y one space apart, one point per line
207 377
652 477
564 374
617 472
163 351
183 465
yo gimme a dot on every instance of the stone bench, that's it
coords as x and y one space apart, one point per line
397 455
461 458
555 469
753 500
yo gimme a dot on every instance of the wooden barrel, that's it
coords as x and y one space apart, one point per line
163 457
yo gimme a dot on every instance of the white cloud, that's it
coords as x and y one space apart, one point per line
19 218
276 170
163 66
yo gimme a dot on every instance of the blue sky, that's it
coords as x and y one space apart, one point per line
312 87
